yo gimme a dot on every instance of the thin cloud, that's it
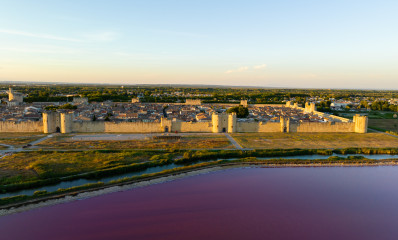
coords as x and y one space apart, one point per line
241 69
244 69
260 66
35 35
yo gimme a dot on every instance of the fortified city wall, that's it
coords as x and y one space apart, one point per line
221 122
30 126
116 127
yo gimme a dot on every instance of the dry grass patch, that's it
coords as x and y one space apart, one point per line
186 142
315 140
24 166
19 139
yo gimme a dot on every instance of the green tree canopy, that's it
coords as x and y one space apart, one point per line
241 111
65 106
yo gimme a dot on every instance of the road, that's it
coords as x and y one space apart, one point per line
11 149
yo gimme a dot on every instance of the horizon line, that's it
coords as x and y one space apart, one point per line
182 85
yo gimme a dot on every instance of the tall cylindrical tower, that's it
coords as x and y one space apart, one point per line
360 124
232 123
215 118
48 122
66 122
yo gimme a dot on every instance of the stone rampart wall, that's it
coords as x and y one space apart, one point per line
192 126
258 127
322 127
133 127
86 126
269 127
30 126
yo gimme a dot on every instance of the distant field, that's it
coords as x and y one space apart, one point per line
386 124
314 140
371 115
207 141
19 139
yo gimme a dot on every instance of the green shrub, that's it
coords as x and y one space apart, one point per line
38 193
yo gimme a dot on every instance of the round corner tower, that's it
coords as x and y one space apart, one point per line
360 123
215 121
49 122
232 122
66 122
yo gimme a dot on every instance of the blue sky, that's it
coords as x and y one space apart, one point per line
308 44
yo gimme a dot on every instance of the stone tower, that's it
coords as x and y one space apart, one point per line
166 125
361 124
285 124
220 122
15 96
66 122
55 122
310 107
10 94
50 122
232 122
243 103
215 122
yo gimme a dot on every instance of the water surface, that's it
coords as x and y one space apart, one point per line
243 203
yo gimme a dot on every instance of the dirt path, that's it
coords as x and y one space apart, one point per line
234 142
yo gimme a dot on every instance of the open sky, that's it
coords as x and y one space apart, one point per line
286 43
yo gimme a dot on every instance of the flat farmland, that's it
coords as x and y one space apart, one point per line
139 141
314 140
386 124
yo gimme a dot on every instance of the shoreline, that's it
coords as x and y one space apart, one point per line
123 186
89 193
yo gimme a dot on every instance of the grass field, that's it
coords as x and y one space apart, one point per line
186 142
29 166
371 114
385 124
19 139
314 140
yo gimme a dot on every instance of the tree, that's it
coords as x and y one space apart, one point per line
94 118
68 106
241 111
65 106
51 108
